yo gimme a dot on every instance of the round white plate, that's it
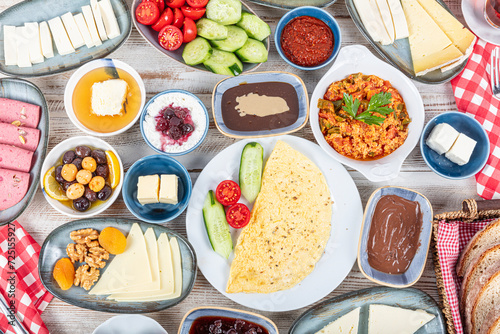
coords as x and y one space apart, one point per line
130 323
340 252
473 11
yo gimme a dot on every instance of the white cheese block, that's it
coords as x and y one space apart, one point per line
23 52
370 16
128 269
108 97
33 36
83 29
96 10
385 319
109 19
442 137
346 324
399 19
461 150
385 13
46 40
10 45
89 19
168 189
72 29
148 187
61 39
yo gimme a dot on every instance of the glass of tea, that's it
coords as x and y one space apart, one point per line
492 12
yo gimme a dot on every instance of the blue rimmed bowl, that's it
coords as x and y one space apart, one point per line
463 123
157 213
414 271
313 12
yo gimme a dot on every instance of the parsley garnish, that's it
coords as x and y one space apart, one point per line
375 105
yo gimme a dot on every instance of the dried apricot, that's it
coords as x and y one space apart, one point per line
89 163
64 273
68 172
112 240
97 183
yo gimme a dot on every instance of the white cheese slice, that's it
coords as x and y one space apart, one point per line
83 29
61 39
461 150
23 52
368 12
109 19
168 189
33 36
96 10
346 324
385 319
128 269
46 40
442 137
10 45
89 19
72 29
399 20
385 13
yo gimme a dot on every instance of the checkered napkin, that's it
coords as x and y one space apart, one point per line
474 96
19 260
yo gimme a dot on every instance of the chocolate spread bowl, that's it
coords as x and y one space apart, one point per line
397 261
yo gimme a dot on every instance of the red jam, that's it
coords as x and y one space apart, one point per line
175 124
225 325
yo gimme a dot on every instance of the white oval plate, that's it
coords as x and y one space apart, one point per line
130 323
473 11
341 249
355 59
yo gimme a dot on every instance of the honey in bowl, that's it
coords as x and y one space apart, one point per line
82 101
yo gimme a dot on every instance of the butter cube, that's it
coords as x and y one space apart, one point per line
442 138
108 97
147 189
461 151
168 189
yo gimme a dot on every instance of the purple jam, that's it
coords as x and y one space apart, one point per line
175 124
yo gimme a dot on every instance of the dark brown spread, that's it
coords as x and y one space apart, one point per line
235 118
394 234
225 325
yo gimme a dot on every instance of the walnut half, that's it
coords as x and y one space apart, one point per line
86 276
76 252
95 257
84 236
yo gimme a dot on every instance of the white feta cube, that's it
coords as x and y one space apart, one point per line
23 51
46 40
72 29
10 45
33 36
461 150
168 189
109 19
108 97
442 137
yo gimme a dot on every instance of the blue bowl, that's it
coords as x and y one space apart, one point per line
157 213
319 14
463 123
145 112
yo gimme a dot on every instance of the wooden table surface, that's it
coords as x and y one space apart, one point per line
160 73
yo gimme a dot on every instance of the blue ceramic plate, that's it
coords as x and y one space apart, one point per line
324 313
195 313
158 213
417 265
319 14
54 248
467 125
43 10
22 90
225 84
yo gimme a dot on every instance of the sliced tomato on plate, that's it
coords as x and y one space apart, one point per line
238 215
175 3
193 13
166 18
147 13
159 3
189 30
228 192
178 18
170 38
197 3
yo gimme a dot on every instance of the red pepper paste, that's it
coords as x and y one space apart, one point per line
307 41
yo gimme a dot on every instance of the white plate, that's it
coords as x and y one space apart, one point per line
355 59
473 11
340 251
130 323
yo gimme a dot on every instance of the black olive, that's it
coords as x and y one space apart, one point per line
66 184
59 177
90 194
78 163
81 204
102 170
105 193
68 157
83 151
99 156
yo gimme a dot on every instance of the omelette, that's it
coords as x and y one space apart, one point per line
288 229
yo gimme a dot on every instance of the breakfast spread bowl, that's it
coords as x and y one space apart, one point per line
357 59
156 213
317 13
463 123
418 243
174 122
78 97
54 159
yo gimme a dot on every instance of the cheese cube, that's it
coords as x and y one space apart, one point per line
89 19
23 52
168 189
72 30
147 189
63 44
461 151
442 138
9 45
46 40
108 97
109 19
96 10
33 36
84 30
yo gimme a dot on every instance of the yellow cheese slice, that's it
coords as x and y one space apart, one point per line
385 13
346 324
384 319
399 20
368 12
128 269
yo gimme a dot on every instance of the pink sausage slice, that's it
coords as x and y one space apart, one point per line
13 110
15 158
19 136
13 187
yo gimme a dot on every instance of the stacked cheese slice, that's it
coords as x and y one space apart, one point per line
149 269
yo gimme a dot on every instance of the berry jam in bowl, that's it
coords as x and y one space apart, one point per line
174 122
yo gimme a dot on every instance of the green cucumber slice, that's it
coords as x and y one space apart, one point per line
253 51
224 11
254 26
222 62
216 225
251 165
236 38
210 29
197 51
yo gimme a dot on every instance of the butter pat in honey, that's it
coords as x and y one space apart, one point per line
147 189
461 150
442 138
108 97
168 189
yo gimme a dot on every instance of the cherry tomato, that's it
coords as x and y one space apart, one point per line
175 3
159 3
189 30
166 18
178 18
238 215
147 13
228 192
193 13
170 38
197 3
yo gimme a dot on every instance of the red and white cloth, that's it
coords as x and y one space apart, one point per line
474 96
19 260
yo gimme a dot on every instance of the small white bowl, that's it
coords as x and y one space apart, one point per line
54 158
75 78
130 323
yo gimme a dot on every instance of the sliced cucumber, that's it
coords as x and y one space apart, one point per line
197 51
254 26
236 38
224 11
216 225
222 62
211 29
252 160
253 51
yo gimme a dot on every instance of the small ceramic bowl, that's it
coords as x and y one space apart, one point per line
130 323
157 213
54 158
212 311
414 271
463 123
203 120
319 14
99 63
